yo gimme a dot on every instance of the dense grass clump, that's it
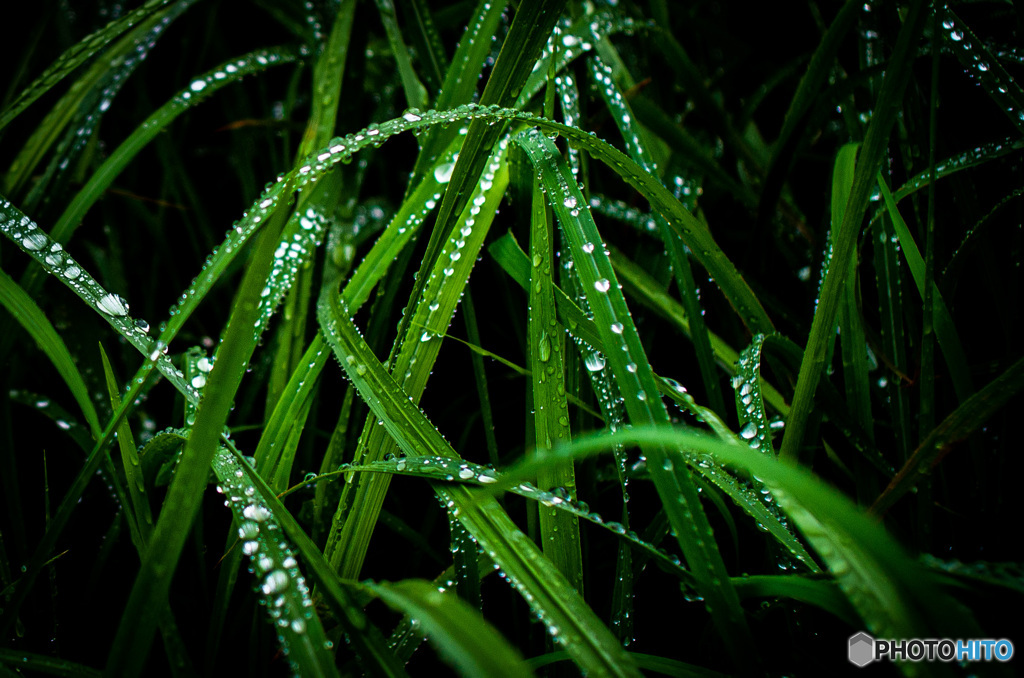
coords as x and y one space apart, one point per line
603 338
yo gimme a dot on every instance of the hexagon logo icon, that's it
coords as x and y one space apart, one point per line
862 649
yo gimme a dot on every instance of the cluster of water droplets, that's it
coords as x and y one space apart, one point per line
206 84
982 66
301 236
569 100
620 211
282 587
755 427
601 77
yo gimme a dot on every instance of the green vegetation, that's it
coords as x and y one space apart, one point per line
549 337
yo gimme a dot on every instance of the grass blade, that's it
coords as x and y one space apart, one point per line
559 533
465 639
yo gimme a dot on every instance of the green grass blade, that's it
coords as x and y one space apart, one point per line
559 533
428 44
288 600
754 427
141 513
25 311
50 666
32 240
365 637
855 362
821 593
467 473
635 380
464 638
415 92
983 66
877 140
945 331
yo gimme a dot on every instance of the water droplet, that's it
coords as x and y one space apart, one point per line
595 362
34 241
111 304
544 349
443 173
602 285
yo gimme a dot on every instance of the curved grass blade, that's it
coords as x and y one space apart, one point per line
821 593
635 380
467 473
51 256
462 636
24 310
551 597
77 54
893 594
959 162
